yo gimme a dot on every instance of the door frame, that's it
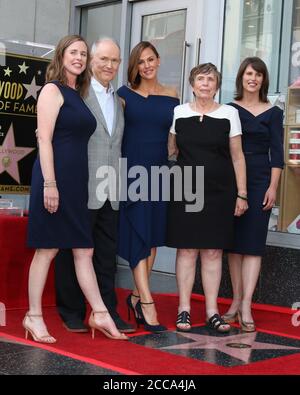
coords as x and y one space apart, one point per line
211 32
193 30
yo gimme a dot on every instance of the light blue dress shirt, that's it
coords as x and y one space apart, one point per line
105 97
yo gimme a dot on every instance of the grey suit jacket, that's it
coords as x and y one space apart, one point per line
104 150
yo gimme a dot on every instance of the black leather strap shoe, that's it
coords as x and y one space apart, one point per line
75 326
123 326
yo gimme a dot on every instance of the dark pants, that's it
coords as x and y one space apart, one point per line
70 300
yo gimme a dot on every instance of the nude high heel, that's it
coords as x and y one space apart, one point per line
230 318
246 326
106 332
48 339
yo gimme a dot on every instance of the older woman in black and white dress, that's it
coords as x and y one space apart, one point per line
207 134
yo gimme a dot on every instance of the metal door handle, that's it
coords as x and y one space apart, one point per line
198 50
185 46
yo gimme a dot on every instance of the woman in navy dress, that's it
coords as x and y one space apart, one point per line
263 148
148 110
58 213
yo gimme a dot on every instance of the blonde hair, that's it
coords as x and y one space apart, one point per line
56 71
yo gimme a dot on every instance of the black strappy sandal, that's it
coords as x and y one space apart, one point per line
184 318
215 322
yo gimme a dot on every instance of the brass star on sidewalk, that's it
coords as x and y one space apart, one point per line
23 68
237 346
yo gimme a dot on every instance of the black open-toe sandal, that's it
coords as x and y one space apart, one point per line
184 318
215 322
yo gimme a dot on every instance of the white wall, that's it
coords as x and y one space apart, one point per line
41 21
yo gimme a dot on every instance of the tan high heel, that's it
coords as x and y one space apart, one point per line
230 318
106 332
246 326
48 339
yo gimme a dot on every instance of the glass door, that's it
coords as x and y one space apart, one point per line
102 20
174 27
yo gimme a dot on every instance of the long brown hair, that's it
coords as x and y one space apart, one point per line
134 78
56 70
260 67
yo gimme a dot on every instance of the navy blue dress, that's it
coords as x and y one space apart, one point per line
145 143
70 226
262 142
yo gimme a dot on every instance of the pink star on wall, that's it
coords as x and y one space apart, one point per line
10 155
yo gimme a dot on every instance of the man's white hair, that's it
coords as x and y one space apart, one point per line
100 40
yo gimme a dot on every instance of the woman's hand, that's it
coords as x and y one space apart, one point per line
51 199
270 199
241 206
172 146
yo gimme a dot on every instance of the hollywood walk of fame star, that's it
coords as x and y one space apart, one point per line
23 68
10 155
7 72
32 89
237 346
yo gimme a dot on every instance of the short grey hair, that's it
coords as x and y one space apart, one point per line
205 68
100 40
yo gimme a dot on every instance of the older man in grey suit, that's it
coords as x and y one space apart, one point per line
104 150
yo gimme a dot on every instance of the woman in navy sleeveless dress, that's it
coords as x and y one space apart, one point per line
263 148
58 213
70 226
148 116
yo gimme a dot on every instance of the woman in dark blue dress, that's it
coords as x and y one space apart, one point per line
148 110
58 213
262 141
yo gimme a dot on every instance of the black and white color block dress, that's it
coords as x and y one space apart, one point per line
204 141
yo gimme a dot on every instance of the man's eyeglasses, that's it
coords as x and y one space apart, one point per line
106 61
